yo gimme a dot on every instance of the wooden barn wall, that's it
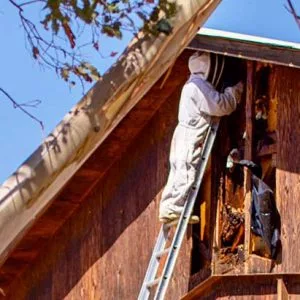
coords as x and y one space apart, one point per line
102 252
247 287
286 87
242 289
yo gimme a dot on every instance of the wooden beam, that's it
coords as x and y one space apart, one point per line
282 293
247 50
248 152
220 282
201 288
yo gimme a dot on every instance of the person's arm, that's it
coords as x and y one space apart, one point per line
220 104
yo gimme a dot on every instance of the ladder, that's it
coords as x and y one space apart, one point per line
160 250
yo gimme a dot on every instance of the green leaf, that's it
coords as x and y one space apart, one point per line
164 26
112 8
65 73
171 10
108 31
95 76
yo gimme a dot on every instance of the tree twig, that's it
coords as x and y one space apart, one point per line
20 106
31 2
292 10
61 50
16 5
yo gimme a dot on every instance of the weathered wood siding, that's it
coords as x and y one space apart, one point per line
284 118
247 287
102 252
286 90
242 289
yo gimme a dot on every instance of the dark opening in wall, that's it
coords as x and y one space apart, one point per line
264 143
219 240
230 136
231 190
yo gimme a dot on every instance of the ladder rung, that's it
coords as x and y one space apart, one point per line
162 253
162 282
153 283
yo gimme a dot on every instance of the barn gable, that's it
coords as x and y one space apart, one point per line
94 238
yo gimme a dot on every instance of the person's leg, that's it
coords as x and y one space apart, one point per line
184 157
167 194
173 196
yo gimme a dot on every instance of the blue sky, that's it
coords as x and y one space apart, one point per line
25 81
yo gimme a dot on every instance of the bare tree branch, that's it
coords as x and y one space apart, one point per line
16 5
54 41
21 107
31 2
57 41
292 10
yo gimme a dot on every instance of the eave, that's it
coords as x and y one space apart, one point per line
247 47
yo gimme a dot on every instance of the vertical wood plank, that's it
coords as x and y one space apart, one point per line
216 200
288 166
248 151
282 293
205 207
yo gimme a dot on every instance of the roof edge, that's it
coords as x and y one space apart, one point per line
248 38
247 47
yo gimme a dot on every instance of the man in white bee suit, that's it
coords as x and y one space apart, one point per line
198 103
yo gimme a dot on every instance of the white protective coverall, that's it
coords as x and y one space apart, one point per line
199 101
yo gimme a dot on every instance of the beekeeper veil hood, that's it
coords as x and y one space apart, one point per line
199 63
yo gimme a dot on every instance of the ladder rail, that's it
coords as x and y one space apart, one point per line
187 212
154 262
162 282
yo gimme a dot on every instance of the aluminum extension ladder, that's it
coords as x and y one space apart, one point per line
150 280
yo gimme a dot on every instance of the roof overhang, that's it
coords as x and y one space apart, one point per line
247 47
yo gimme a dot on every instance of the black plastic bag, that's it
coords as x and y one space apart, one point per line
264 215
265 219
